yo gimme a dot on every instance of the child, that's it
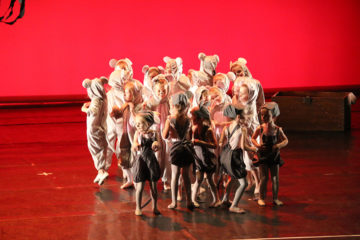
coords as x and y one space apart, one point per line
231 157
178 128
123 145
272 139
159 102
205 144
96 125
146 166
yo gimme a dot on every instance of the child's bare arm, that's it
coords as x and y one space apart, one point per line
255 136
243 144
136 145
283 138
222 137
156 144
165 132
211 140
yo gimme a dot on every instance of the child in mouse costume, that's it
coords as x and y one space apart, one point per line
96 113
180 82
122 74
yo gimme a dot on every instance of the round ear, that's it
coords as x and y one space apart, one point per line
166 59
128 61
242 61
178 61
145 68
104 80
217 58
86 83
201 56
231 76
231 64
112 63
162 70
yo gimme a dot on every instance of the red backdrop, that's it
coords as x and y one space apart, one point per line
287 43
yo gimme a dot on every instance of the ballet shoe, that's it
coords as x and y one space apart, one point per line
237 210
196 204
261 202
172 206
97 178
126 185
138 212
166 187
277 202
103 177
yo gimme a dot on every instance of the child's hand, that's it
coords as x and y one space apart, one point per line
195 141
85 107
155 146
135 147
275 148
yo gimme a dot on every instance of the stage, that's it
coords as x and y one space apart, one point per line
46 189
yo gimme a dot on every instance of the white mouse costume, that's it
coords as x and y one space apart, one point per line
96 121
180 83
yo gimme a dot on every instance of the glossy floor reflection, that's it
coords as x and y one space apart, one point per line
46 189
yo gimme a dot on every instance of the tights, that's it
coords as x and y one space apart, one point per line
264 177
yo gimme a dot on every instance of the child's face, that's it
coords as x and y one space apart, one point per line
244 95
240 119
171 68
161 91
238 71
266 115
219 81
128 95
141 124
205 98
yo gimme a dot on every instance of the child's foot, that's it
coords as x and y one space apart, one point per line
172 206
215 204
277 202
237 210
103 177
261 202
196 204
138 212
97 178
201 190
179 196
126 185
156 211
166 187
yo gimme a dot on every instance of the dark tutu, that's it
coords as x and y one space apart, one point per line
232 162
266 155
206 164
182 153
146 166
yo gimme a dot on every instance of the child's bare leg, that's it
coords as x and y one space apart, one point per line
153 190
238 194
215 195
250 180
198 181
255 176
138 197
175 173
274 171
264 176
180 188
228 188
187 186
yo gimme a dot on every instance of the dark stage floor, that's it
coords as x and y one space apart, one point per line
46 189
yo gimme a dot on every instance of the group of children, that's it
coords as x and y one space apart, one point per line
174 125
